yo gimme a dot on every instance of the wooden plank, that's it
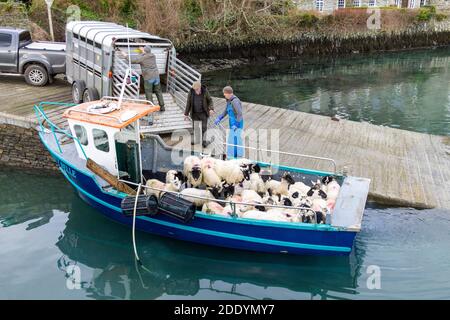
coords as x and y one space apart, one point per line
108 177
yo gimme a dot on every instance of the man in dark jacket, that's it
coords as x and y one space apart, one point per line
199 107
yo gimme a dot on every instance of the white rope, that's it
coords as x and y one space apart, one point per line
134 224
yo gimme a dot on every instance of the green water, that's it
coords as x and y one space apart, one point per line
45 228
406 90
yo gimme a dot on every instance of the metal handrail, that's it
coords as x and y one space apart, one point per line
40 114
232 203
283 152
180 78
290 154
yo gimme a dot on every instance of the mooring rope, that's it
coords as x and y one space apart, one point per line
134 224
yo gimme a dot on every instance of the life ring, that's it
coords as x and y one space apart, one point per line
102 107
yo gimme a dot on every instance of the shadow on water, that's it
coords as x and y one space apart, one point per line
178 268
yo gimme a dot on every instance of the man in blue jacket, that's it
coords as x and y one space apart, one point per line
236 122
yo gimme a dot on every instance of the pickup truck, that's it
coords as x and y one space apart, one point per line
37 61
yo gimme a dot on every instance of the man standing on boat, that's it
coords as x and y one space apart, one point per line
150 73
236 122
199 106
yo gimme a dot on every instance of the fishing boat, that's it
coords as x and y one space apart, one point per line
106 158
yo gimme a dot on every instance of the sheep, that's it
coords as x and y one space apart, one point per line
251 195
297 190
228 190
209 175
193 171
320 207
310 217
270 199
316 191
302 201
230 171
265 215
212 207
293 214
254 200
332 187
280 187
331 203
255 182
174 180
205 194
154 183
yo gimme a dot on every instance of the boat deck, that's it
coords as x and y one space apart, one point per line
406 168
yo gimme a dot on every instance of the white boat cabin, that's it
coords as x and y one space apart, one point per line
108 132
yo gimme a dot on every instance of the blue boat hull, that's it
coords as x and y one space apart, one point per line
245 234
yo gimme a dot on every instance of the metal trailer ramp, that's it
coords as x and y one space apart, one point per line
180 78
168 121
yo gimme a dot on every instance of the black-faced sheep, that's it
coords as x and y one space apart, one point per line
192 170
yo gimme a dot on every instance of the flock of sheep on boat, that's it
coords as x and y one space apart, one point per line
239 182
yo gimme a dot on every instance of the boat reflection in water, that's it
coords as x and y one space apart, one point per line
176 269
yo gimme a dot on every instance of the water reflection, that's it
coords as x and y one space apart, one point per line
28 196
42 240
178 269
407 90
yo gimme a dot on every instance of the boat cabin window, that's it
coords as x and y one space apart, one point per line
81 134
100 140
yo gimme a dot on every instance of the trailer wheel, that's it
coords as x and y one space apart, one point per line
36 75
77 92
90 94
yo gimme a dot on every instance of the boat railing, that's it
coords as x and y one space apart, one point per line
231 203
259 150
332 161
42 119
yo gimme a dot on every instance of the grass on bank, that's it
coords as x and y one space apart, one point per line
198 23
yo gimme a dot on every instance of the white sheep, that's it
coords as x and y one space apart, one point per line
205 195
332 188
297 190
265 215
154 183
174 180
280 187
193 171
317 191
173 183
229 171
209 174
302 201
212 207
255 183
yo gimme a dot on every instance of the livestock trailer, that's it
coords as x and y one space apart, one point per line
95 70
